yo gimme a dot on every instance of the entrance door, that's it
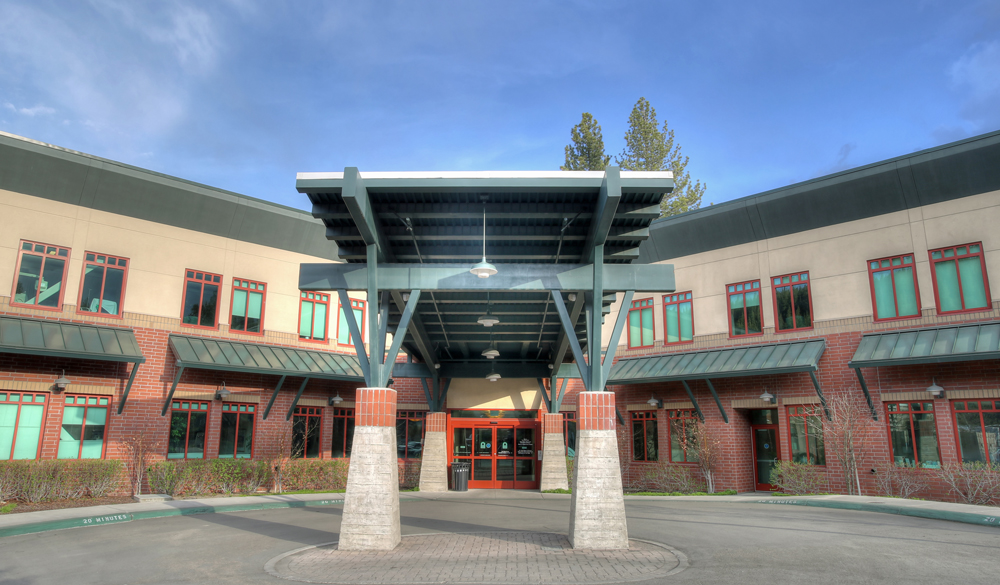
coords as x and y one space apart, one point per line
502 457
765 454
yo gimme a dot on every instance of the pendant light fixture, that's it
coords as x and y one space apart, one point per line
484 269
488 320
492 351
493 375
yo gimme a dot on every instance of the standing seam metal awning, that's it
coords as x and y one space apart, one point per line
930 345
253 358
68 340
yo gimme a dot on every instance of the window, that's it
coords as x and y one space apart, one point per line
21 417
569 433
103 286
305 431
894 287
84 420
682 424
41 272
678 323
644 440
805 427
201 299
640 324
913 435
188 422
409 434
959 275
236 435
792 302
313 309
343 329
343 432
744 309
248 306
977 423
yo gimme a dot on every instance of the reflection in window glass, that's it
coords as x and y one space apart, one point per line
913 434
978 423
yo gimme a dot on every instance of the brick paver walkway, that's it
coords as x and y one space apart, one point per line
485 557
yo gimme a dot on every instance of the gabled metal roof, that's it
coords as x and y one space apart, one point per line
257 358
951 343
758 360
68 340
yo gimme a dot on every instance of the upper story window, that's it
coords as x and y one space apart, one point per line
894 287
913 434
792 302
640 324
744 309
201 299
977 423
41 275
103 287
248 306
343 329
644 436
682 424
313 310
959 275
21 417
805 431
83 424
678 322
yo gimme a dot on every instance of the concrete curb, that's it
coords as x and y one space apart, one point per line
930 513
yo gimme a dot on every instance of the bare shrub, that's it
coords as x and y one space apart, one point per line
672 478
282 452
227 474
899 482
11 479
850 429
137 449
974 483
798 478
198 477
256 474
707 448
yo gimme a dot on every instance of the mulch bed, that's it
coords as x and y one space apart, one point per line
77 503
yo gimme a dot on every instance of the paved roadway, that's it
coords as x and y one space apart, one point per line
723 542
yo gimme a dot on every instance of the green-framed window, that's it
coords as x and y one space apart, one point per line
21 419
248 306
959 276
678 320
41 275
314 308
188 425
805 430
236 432
343 329
640 324
895 294
84 421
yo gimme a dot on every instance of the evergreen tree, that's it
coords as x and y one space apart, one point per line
648 148
587 151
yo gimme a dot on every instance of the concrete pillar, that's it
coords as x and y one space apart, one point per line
597 508
434 460
554 475
371 504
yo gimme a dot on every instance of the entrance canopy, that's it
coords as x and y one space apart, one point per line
566 234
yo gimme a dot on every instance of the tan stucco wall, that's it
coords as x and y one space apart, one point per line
504 394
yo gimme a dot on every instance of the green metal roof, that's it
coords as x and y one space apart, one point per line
68 340
258 358
758 360
930 345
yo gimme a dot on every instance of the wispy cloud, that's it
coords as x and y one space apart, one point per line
977 75
30 112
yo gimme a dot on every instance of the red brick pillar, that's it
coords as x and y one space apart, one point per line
554 475
434 461
371 504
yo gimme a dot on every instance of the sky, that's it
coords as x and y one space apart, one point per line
243 94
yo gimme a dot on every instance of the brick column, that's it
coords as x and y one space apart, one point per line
554 476
434 460
371 504
597 508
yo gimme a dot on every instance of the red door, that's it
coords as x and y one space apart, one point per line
764 439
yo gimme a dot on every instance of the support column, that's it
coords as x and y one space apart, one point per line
554 476
597 508
434 460
371 504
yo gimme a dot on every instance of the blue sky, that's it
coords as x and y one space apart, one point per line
242 94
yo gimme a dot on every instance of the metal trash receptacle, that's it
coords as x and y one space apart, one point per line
460 471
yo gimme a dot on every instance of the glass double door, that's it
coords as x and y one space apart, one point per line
502 457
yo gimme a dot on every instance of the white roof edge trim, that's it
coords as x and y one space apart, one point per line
490 175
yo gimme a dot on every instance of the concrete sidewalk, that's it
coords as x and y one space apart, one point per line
11 524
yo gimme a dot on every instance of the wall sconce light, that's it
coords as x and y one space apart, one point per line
653 401
62 381
768 397
437 366
336 400
221 393
935 390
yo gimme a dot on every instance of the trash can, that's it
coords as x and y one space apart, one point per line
460 471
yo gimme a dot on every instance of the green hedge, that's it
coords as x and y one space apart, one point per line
40 481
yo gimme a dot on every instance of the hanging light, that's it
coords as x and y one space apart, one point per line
492 351
493 375
487 320
221 393
935 390
767 397
62 381
654 402
336 400
484 269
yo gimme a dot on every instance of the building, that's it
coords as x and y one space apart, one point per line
181 311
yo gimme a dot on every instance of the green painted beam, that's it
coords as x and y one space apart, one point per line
604 213
358 204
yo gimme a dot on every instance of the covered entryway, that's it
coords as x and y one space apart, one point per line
501 445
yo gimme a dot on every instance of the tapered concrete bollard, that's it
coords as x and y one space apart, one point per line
597 508
434 460
371 504
554 475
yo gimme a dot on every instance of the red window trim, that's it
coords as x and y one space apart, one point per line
406 414
683 297
567 417
187 431
644 419
774 300
691 415
363 305
982 263
86 407
83 274
263 303
298 323
194 278
253 427
344 413
729 312
982 424
17 420
304 412
871 286
818 414
640 305
17 270
909 413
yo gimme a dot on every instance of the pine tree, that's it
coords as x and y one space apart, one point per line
587 151
647 148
